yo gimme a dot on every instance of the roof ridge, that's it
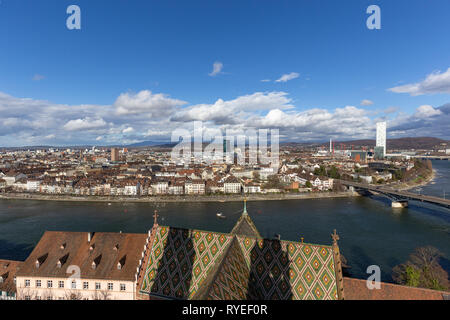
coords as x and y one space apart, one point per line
196 230
214 272
245 217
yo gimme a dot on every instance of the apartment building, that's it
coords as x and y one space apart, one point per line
194 187
232 185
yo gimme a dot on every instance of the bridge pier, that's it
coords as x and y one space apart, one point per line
400 204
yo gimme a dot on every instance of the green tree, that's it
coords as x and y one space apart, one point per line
334 173
308 184
273 182
320 171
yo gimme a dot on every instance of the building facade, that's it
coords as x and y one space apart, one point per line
381 136
81 266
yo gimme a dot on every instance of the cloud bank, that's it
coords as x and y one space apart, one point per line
145 115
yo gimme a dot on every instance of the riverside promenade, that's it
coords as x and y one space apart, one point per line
184 198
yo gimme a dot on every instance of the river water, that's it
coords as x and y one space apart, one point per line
371 232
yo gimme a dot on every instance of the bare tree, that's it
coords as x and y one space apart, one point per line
26 293
422 270
47 295
73 295
101 295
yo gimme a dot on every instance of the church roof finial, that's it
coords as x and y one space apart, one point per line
155 216
245 206
335 237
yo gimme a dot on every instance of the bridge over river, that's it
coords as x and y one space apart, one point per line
397 196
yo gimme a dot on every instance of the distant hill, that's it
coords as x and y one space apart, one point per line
399 143
147 144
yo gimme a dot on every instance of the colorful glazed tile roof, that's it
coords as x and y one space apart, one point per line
289 270
180 259
230 279
245 226
193 264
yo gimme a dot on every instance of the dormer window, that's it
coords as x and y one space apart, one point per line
41 260
62 260
121 262
63 246
96 262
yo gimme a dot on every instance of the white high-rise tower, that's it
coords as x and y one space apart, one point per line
381 135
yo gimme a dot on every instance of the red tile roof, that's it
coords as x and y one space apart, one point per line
8 270
73 248
356 289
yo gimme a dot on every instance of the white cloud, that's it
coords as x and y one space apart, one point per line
265 80
318 124
436 82
146 103
366 102
227 111
84 124
128 130
217 68
157 133
287 77
426 111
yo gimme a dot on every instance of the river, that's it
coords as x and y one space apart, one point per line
371 232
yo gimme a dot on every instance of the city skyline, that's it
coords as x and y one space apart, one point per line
139 80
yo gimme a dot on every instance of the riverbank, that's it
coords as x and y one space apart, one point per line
205 198
411 184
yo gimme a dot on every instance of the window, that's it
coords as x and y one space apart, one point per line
38 298
85 285
74 284
110 286
98 286
49 284
61 284
49 298
60 298
27 283
38 283
27 298
122 287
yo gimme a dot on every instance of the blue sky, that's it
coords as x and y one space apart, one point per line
139 69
